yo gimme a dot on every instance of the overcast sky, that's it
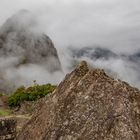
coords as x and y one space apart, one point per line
109 23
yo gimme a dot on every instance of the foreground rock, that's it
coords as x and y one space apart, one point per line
87 105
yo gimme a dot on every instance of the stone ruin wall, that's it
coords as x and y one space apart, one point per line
7 129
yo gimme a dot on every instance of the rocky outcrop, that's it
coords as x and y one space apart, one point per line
87 105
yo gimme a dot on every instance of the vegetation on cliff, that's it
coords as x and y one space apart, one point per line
29 94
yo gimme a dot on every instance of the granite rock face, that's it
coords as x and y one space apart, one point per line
87 105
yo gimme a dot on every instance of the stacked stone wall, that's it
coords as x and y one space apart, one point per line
8 129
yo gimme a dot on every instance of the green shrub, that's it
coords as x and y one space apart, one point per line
29 94
5 112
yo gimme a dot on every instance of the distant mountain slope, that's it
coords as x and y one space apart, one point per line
94 53
19 38
123 66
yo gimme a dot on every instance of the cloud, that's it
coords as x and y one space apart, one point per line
124 67
25 75
112 23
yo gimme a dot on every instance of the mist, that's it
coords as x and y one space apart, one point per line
111 24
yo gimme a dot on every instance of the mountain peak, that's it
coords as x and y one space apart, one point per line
18 39
22 20
82 68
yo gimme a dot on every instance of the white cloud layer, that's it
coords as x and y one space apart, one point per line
111 23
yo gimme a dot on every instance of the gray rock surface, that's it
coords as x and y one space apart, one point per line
87 105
